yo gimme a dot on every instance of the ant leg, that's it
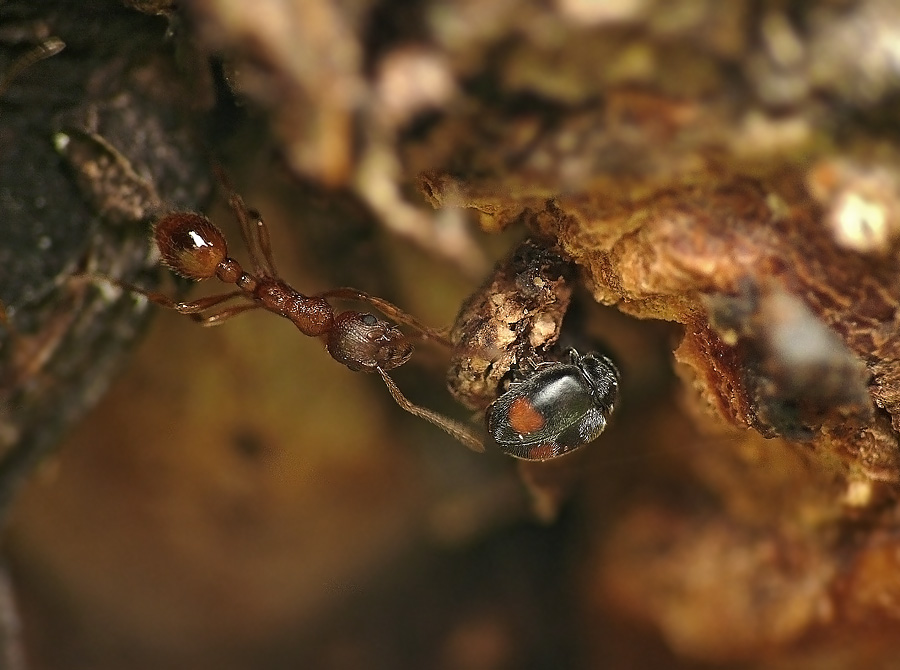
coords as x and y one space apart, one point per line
253 230
259 231
217 318
193 307
453 428
390 310
256 237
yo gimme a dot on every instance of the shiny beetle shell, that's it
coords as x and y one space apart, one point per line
559 408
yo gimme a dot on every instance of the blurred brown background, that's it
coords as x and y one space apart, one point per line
727 179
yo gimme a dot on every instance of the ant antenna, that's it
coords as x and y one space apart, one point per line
453 428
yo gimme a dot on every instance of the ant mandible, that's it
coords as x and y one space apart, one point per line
193 246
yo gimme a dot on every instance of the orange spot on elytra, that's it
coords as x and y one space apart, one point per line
541 452
524 418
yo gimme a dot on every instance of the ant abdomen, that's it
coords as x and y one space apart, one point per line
364 342
190 244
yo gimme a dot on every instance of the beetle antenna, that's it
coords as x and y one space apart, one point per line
453 428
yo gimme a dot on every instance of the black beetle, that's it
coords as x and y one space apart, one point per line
557 409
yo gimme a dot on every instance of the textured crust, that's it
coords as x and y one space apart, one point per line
512 320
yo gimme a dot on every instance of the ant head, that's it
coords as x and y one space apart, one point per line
363 342
190 244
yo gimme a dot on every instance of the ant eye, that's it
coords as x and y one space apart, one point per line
369 319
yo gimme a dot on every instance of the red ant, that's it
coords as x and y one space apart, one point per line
194 247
